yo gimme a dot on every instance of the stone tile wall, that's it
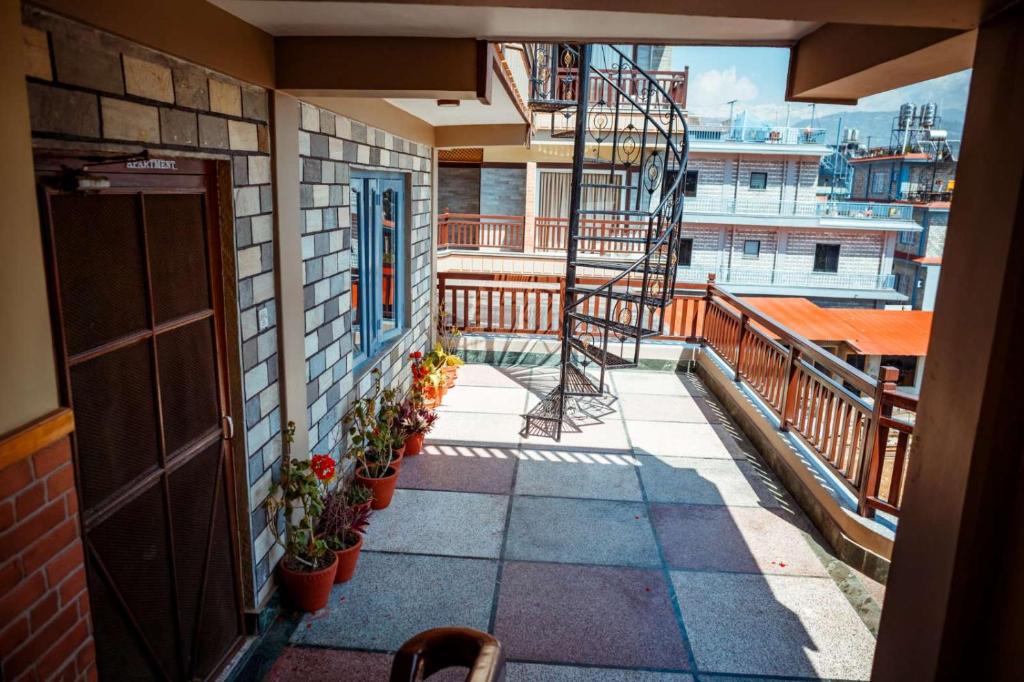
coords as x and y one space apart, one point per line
91 89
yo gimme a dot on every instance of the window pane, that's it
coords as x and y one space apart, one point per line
356 230
690 183
751 247
758 180
826 258
389 245
685 252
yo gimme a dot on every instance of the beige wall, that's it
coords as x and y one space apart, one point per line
28 380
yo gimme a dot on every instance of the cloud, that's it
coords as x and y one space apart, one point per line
710 90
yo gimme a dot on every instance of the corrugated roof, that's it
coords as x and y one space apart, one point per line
869 331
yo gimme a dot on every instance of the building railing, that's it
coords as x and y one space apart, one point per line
857 426
763 206
792 278
758 134
552 235
474 231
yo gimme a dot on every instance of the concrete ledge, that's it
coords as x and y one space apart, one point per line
504 350
853 539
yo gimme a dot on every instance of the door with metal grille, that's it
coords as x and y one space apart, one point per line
135 274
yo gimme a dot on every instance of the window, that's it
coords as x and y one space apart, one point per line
377 210
826 257
690 183
879 183
752 248
685 252
758 180
907 237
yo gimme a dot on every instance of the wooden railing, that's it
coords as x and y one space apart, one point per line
846 418
471 230
859 427
633 83
552 235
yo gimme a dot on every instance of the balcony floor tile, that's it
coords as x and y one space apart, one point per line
772 625
736 539
683 440
461 468
395 596
709 481
436 522
472 428
644 381
585 476
485 399
581 532
661 408
536 672
588 615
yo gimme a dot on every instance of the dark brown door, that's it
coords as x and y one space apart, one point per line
138 309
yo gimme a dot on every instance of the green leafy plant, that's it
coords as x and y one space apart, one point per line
300 497
447 333
341 521
370 437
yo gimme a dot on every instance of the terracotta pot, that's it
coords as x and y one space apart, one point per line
308 590
431 397
414 445
383 488
450 372
347 559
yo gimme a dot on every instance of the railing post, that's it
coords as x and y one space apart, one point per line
874 450
740 336
442 228
708 295
789 389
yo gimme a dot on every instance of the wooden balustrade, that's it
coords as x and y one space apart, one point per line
471 230
859 427
552 235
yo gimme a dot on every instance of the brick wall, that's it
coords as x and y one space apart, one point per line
502 191
458 189
45 630
92 89
859 252
329 145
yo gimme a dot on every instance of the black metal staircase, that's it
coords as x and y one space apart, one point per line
627 225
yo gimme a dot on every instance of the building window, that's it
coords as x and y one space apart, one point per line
758 180
907 237
690 183
377 211
879 183
752 248
826 257
685 252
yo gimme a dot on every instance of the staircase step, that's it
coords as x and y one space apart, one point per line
619 265
561 134
600 356
622 240
625 330
578 383
605 185
548 105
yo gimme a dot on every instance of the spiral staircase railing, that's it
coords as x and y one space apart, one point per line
625 124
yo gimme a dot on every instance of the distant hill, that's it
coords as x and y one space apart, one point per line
877 125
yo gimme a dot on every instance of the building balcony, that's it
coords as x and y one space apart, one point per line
748 278
857 212
780 135
652 537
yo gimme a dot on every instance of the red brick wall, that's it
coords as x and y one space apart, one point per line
44 606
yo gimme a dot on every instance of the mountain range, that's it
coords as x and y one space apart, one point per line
876 126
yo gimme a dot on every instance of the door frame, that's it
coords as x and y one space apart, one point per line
172 175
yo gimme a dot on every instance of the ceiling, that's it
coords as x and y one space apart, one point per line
316 18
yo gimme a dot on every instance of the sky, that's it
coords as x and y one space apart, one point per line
756 77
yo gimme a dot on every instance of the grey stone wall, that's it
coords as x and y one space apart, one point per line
502 191
458 189
92 89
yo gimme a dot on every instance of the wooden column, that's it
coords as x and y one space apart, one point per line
530 209
954 608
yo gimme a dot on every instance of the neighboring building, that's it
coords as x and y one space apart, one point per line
917 168
753 216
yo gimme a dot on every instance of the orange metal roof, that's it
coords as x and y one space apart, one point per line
869 331
928 260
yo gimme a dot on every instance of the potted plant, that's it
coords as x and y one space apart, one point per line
416 421
388 419
370 447
358 496
342 526
308 568
427 381
447 346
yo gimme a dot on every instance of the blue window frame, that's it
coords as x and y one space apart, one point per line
378 265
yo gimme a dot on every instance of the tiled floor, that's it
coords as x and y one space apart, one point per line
652 546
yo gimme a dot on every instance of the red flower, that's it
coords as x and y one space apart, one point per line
417 355
322 466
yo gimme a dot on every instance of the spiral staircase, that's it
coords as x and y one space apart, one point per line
625 212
